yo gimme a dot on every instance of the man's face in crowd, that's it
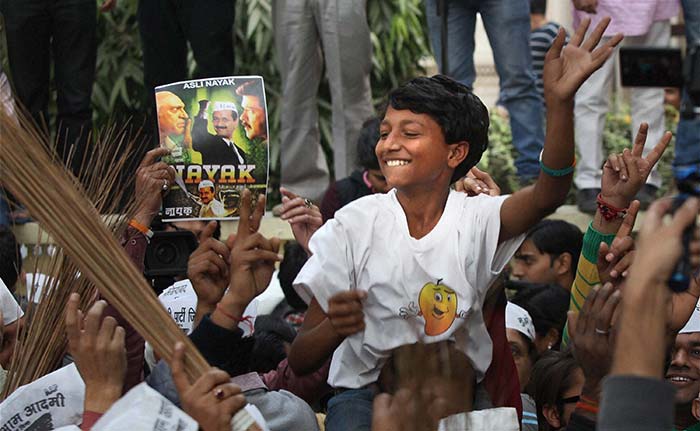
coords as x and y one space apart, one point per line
253 117
225 123
684 371
206 194
172 117
533 266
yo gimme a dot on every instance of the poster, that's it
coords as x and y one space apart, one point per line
217 132
144 409
50 402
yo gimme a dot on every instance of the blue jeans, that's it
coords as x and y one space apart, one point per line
507 24
350 411
688 134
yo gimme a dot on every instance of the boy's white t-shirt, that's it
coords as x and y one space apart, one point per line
419 290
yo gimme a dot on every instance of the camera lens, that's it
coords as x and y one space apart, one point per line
166 253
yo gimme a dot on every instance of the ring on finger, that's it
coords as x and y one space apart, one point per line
219 393
602 331
308 203
166 185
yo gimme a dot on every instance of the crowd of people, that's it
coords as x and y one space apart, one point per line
415 295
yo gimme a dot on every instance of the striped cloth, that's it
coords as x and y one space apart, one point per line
586 272
529 422
540 41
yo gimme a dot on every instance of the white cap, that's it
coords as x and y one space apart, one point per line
204 184
693 324
519 319
225 106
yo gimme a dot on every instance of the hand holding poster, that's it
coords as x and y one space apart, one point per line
217 132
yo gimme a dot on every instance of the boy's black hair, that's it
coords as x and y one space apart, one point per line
538 7
457 110
555 237
271 334
10 258
367 142
294 259
547 304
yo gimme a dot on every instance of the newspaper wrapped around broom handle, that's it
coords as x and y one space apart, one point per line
48 190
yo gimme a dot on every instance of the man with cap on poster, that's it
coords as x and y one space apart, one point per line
210 207
684 374
219 148
520 332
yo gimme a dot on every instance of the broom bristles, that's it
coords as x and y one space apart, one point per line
49 192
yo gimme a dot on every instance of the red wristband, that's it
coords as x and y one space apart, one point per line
608 211
236 320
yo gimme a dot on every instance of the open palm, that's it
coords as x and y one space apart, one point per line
566 68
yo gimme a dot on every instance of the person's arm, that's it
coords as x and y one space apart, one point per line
624 174
96 344
310 388
317 338
150 178
635 395
564 72
208 271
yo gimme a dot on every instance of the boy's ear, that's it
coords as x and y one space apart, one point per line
458 152
562 264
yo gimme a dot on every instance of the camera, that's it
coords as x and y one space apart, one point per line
167 254
664 67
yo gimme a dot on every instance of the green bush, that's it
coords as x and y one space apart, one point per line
498 160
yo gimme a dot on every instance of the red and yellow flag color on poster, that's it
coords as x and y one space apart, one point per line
217 133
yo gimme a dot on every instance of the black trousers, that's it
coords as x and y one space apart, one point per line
166 26
65 31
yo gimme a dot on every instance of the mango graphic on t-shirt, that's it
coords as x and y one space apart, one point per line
438 305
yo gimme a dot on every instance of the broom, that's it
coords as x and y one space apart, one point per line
53 196
42 338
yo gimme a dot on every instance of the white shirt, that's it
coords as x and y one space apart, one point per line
367 246
213 209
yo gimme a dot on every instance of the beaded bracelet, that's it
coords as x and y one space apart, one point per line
556 172
608 211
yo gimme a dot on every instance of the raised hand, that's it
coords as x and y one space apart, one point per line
402 411
565 68
478 182
252 261
153 179
212 400
615 259
303 216
208 269
590 334
97 347
624 174
646 294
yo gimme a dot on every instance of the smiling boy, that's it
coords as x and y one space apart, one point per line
371 262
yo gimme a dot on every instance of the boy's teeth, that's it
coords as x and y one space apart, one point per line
396 162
